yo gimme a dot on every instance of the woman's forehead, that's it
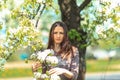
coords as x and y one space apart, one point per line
58 28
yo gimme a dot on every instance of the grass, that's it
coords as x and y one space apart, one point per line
92 66
103 65
16 72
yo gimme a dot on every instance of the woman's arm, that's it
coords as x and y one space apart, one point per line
59 71
68 74
74 68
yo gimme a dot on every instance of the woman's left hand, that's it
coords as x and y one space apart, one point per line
57 71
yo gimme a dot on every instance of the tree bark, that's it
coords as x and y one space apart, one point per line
70 14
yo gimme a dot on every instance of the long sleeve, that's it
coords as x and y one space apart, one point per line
75 65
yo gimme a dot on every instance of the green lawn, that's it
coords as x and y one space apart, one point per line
103 65
92 66
16 72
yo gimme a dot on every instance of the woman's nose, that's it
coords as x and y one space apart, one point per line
58 35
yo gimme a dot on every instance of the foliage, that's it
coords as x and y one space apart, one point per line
22 35
22 26
74 35
18 38
101 22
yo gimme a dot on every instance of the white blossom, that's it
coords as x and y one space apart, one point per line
37 74
33 56
12 30
41 56
52 60
11 47
55 77
44 76
49 51
44 54
6 53
39 1
2 62
25 30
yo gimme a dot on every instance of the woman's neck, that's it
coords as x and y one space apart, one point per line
57 47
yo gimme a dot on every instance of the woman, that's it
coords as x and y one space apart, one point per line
67 55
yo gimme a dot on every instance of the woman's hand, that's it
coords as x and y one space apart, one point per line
59 71
35 66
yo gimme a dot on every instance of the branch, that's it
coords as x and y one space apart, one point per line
84 4
37 10
39 14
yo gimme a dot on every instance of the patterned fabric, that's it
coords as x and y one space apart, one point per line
72 66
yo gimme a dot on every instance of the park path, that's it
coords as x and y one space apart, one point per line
24 78
19 64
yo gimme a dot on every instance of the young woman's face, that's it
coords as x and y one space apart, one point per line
58 35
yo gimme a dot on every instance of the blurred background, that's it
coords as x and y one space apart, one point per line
102 55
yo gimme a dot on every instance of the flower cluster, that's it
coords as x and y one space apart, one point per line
2 62
47 57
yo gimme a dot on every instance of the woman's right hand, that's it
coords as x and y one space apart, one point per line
35 66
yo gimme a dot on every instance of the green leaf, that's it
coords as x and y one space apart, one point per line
26 60
0 27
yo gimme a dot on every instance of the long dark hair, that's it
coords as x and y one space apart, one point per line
66 46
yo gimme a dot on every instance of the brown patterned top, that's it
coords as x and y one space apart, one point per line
72 66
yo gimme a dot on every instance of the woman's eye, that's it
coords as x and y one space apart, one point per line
58 33
55 33
61 33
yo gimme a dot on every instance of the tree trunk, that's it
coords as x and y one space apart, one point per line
70 14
